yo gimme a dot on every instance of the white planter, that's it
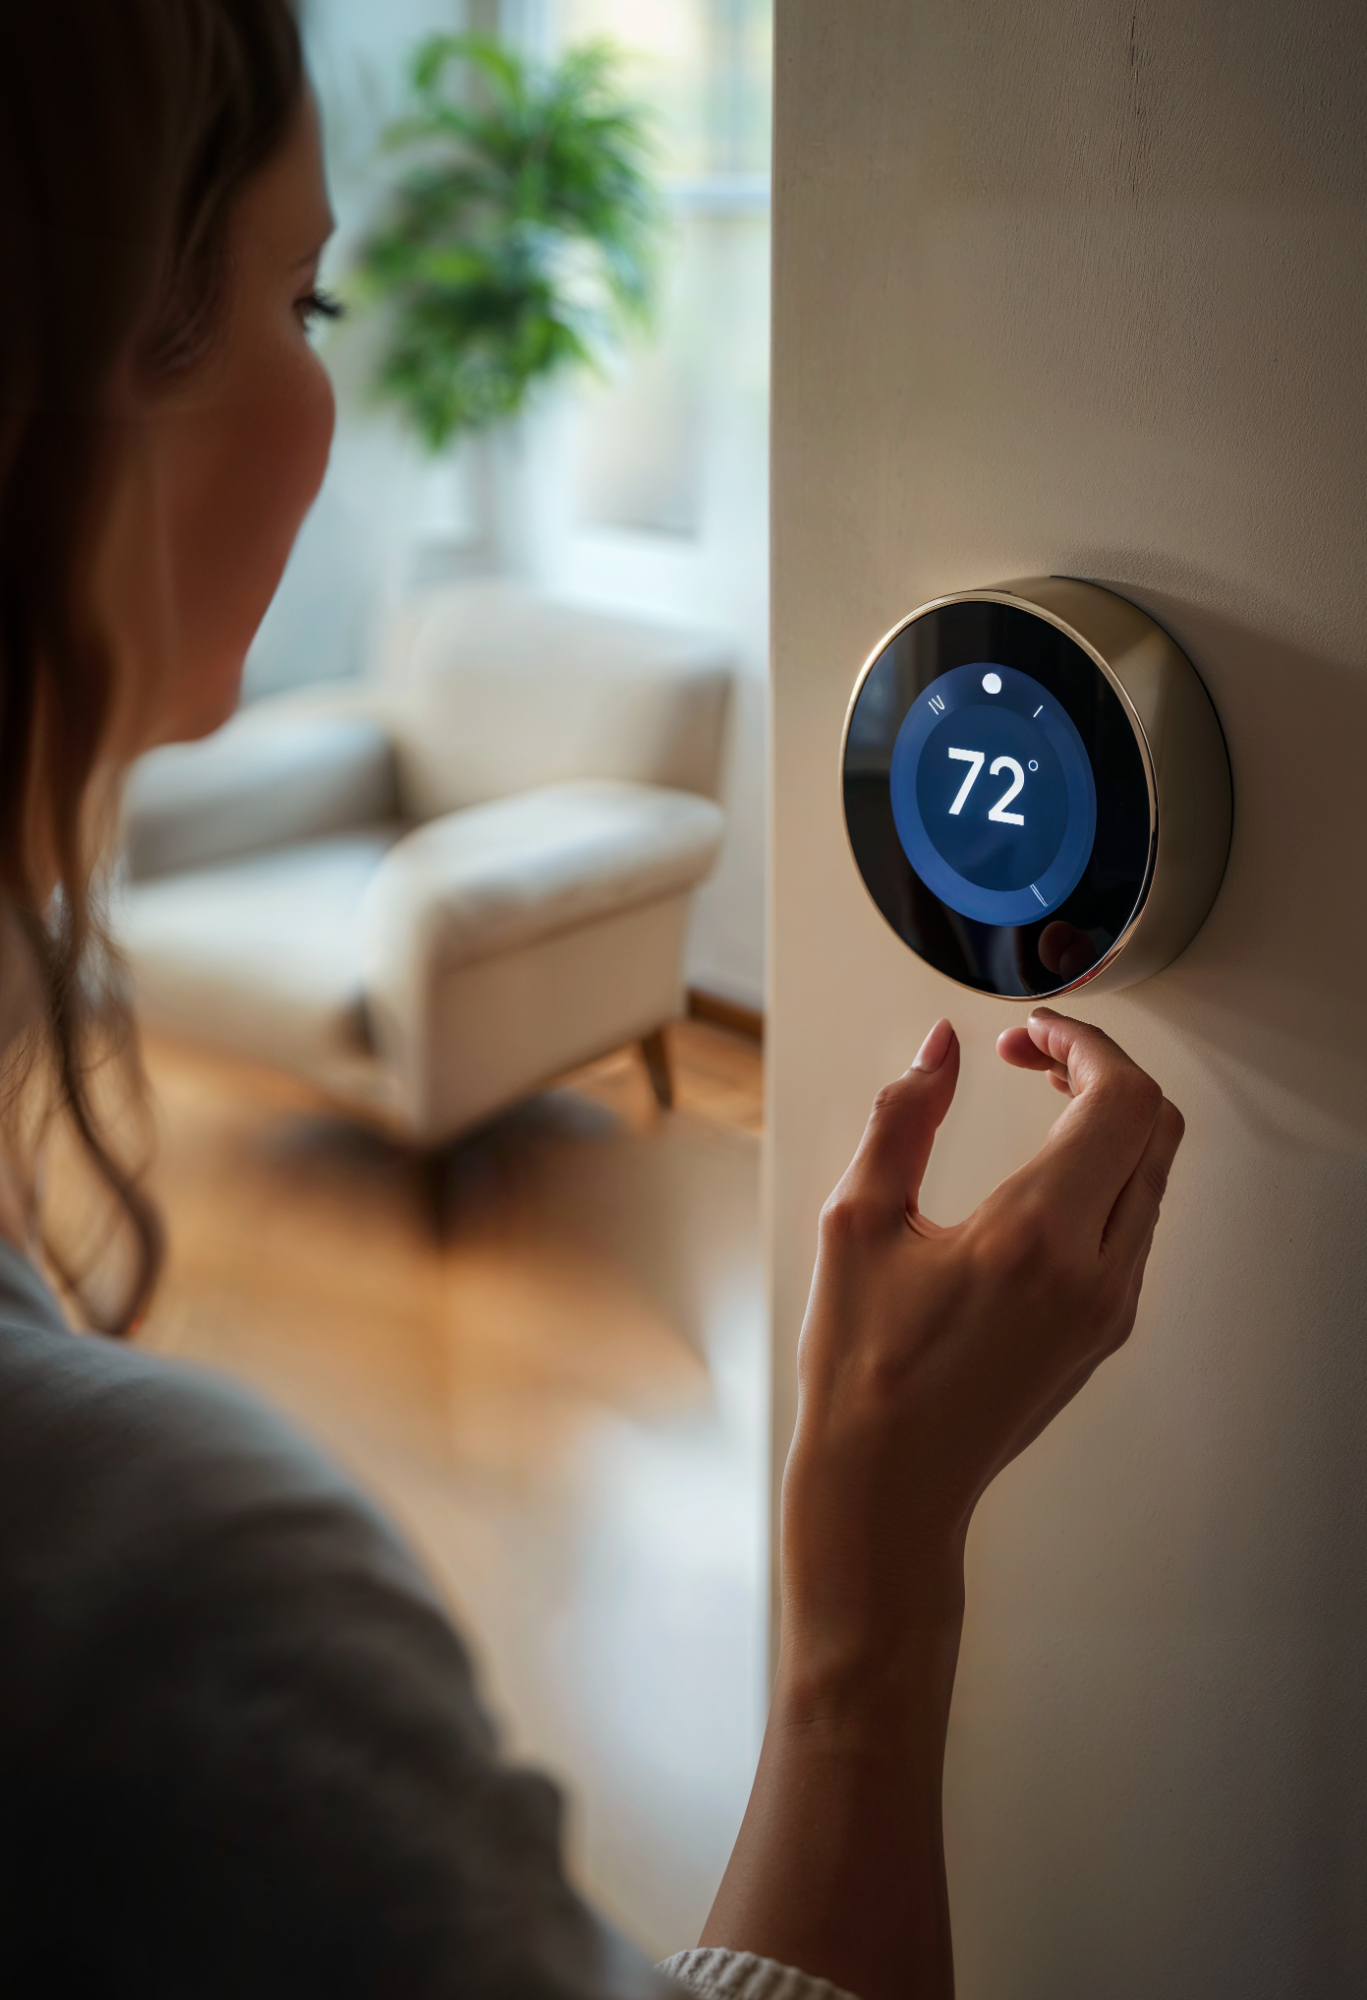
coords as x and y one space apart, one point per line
527 480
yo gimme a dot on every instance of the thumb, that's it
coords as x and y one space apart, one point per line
887 1171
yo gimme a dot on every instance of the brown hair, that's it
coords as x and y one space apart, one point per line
127 130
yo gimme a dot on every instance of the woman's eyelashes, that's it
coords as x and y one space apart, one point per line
318 305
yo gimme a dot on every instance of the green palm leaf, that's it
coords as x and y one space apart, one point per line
520 240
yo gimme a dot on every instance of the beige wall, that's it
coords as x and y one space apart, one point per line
1082 287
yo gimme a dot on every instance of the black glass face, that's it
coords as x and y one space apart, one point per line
996 799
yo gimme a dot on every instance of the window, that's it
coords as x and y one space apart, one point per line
654 440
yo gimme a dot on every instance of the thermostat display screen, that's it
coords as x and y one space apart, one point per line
997 797
993 795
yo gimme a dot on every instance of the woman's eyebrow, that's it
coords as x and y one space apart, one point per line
316 249
312 256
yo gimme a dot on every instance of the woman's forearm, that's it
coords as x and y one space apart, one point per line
929 1357
839 1865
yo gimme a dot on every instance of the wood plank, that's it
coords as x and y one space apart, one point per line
746 1021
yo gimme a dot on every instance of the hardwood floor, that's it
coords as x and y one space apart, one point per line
718 1076
559 1391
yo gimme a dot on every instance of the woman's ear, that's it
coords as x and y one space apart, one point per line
132 588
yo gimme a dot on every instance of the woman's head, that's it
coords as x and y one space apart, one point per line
163 427
215 461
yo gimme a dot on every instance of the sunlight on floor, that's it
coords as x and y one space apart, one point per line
546 1359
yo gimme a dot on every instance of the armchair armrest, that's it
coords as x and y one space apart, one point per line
273 774
496 877
497 883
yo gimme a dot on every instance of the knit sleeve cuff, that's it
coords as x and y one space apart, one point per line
715 1974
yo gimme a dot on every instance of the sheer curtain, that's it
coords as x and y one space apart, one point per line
661 469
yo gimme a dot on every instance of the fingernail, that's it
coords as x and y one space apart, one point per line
935 1047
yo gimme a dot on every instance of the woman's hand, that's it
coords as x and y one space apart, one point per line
929 1358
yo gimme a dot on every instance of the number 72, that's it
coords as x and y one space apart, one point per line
976 759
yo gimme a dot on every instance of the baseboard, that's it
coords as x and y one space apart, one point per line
747 1021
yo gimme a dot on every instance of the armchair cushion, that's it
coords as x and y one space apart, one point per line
266 778
492 690
498 876
259 953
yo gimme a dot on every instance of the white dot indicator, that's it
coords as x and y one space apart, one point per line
1033 765
992 683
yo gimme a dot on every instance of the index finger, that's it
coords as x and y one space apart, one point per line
1099 1139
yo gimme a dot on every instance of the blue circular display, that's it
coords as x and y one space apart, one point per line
993 796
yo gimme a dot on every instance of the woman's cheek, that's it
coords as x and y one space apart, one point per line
250 474
318 405
281 470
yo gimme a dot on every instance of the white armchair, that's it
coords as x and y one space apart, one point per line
432 892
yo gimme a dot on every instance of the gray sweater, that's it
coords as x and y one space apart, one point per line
241 1752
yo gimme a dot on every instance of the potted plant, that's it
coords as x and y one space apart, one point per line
518 243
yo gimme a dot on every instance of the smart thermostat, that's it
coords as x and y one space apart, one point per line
1036 788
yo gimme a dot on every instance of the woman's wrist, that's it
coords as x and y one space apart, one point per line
878 1670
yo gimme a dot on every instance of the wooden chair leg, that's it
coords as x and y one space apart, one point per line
434 1176
656 1053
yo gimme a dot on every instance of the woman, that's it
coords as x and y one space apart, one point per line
240 1752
